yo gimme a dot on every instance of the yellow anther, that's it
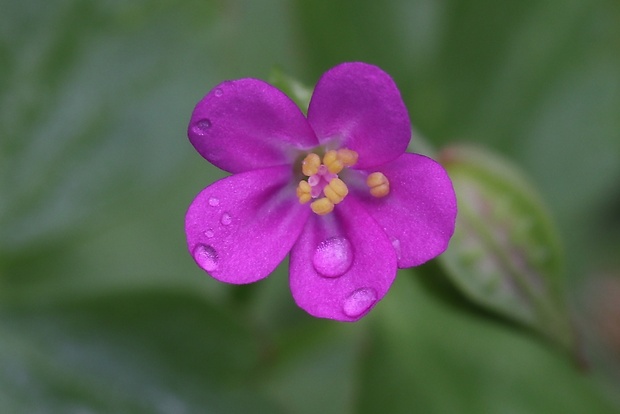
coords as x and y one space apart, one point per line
332 162
378 184
310 165
336 190
322 206
347 157
303 192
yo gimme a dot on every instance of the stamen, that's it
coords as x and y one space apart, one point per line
332 162
323 183
310 165
347 157
336 190
303 192
322 206
378 184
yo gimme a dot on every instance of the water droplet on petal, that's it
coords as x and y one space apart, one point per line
209 233
359 302
226 219
202 126
219 92
333 257
206 257
396 245
214 202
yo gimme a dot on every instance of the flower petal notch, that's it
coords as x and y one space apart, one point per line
336 190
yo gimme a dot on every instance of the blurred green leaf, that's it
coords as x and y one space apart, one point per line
96 173
505 253
295 90
316 370
423 356
95 99
149 352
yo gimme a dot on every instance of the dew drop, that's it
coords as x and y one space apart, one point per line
359 301
219 92
202 126
209 233
214 202
206 257
226 219
396 245
333 257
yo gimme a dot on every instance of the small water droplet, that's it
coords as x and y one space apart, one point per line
333 257
226 219
206 257
219 92
396 245
214 202
359 301
202 126
209 233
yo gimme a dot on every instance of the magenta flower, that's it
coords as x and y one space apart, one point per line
335 189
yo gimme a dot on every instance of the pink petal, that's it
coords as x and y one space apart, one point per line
248 124
241 227
360 107
419 212
342 264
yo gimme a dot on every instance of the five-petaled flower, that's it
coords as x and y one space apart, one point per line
335 189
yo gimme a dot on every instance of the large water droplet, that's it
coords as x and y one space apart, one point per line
359 302
333 257
226 219
214 202
219 92
206 257
202 126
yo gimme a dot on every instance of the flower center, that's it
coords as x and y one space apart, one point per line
325 187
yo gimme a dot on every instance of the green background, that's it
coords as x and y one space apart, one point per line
102 310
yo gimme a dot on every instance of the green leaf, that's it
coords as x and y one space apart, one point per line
423 356
94 103
149 352
96 171
321 358
295 90
505 253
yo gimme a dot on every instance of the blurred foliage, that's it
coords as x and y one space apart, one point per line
102 309
505 252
